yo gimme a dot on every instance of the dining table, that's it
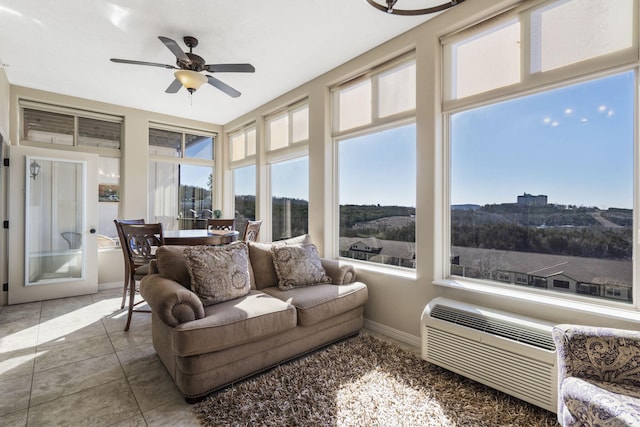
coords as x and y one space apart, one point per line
200 237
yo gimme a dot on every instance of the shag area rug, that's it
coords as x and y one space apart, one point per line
365 381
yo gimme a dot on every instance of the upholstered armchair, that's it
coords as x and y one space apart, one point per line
598 376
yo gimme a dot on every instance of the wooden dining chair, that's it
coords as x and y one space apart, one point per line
221 224
141 240
123 246
251 231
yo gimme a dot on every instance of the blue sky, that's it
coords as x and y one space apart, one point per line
379 168
288 178
573 144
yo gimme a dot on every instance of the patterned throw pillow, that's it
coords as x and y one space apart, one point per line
298 266
218 273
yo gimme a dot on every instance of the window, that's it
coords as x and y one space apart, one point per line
180 177
567 32
561 284
242 149
289 198
541 173
377 165
79 130
244 190
503 276
377 196
521 279
108 201
510 50
487 61
163 142
287 140
243 144
288 128
388 91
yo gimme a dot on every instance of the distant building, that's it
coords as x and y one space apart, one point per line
531 200
372 249
604 278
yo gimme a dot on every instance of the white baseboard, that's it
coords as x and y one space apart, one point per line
110 285
396 334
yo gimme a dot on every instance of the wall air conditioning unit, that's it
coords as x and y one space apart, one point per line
505 351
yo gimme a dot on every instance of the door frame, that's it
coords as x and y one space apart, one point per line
18 176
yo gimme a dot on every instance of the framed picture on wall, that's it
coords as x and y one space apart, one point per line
108 193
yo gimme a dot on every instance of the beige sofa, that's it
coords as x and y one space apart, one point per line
205 348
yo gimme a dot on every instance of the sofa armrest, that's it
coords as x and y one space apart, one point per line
170 301
340 274
604 354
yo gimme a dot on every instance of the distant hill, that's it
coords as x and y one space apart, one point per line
467 207
551 229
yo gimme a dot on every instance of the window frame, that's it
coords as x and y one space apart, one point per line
184 131
76 114
287 112
373 75
532 83
184 161
377 124
247 159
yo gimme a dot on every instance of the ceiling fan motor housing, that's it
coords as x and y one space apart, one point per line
196 62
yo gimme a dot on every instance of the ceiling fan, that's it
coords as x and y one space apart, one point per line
190 66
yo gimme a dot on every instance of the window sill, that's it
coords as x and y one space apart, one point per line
612 310
405 273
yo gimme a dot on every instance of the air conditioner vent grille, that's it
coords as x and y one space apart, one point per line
500 328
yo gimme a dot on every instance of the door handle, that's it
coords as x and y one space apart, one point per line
92 231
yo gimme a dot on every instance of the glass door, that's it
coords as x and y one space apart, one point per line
52 219
54 214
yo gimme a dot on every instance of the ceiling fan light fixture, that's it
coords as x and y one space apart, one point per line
191 80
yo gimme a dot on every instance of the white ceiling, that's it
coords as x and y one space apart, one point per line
65 47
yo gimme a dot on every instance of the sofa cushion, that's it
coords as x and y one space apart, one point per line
234 322
298 266
593 402
262 261
218 273
321 302
172 264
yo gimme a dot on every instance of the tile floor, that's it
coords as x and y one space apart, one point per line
68 362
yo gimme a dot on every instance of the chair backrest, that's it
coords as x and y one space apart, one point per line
123 243
251 231
140 240
117 222
221 224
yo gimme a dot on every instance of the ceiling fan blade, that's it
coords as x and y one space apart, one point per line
152 64
174 48
223 87
174 86
230 68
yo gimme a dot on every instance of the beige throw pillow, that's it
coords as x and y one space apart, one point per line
218 273
298 266
262 260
